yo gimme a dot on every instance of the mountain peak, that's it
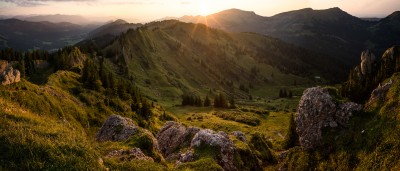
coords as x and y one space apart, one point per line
236 11
395 15
119 21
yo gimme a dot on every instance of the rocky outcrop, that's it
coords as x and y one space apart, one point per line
317 109
219 140
239 135
129 155
367 61
8 75
116 128
174 136
379 93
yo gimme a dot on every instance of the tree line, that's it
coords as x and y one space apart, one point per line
220 101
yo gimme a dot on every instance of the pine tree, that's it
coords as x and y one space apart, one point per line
232 103
207 101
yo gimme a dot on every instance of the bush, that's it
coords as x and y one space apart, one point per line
245 118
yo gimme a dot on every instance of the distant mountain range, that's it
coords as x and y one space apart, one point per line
25 35
332 31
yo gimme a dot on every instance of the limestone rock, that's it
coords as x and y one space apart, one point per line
318 110
379 93
129 155
220 140
116 128
173 136
239 135
367 60
9 75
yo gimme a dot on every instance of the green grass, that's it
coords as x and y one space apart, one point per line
273 125
204 164
32 142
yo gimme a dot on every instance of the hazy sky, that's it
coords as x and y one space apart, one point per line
146 10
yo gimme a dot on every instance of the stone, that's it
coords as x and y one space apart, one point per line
9 75
117 128
188 156
129 155
318 110
226 156
239 135
379 93
173 136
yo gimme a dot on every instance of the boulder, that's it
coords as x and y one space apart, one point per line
117 128
9 75
239 135
173 136
317 110
129 155
226 149
379 93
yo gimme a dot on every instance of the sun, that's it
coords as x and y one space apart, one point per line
203 9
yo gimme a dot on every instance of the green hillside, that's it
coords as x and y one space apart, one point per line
167 59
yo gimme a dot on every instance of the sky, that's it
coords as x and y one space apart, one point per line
148 10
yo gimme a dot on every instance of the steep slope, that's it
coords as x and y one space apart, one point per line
169 58
325 31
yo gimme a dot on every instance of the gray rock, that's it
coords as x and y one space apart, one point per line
173 136
9 75
379 93
188 156
129 155
226 155
239 135
116 128
318 110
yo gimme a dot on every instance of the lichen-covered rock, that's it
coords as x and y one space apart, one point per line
239 135
116 128
129 155
318 110
9 75
188 156
379 93
219 140
174 136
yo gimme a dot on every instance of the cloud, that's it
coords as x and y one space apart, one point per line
29 3
186 3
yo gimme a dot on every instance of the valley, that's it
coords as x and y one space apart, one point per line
228 91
